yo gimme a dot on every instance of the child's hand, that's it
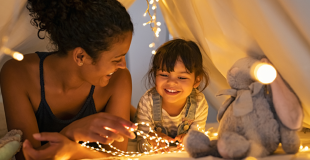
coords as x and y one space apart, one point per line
161 144
180 138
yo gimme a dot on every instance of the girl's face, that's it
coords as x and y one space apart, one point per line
175 86
107 63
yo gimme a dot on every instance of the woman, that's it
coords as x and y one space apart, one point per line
82 90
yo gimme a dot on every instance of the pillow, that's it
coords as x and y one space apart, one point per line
10 144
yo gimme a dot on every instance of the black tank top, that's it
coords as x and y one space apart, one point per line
47 121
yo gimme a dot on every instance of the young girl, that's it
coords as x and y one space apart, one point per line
174 105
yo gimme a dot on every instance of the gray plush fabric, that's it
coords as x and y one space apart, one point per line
256 132
197 144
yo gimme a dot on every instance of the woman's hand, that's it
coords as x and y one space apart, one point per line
59 147
101 127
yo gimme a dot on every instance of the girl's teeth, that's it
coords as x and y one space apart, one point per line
171 90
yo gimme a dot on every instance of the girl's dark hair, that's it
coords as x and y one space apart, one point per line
93 25
168 53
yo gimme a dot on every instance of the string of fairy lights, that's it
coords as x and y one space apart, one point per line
144 135
154 24
211 133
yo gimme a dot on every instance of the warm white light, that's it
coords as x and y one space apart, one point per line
144 24
303 149
157 0
250 158
265 73
153 17
151 45
153 52
158 23
144 14
18 56
151 1
154 7
107 128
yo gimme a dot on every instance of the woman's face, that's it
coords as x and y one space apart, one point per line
108 62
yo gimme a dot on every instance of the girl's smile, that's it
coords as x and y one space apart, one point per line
171 91
177 85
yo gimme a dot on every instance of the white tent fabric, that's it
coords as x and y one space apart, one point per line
225 30
229 30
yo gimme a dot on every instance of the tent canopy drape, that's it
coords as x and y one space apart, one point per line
229 30
225 30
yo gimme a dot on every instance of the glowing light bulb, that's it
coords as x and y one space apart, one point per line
18 56
154 7
265 73
158 23
153 52
153 17
144 14
151 45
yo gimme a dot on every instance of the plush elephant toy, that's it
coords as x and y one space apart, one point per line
248 122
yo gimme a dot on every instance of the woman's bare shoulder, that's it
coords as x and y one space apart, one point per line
121 77
20 71
119 85
121 80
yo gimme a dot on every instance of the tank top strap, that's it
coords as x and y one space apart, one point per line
42 56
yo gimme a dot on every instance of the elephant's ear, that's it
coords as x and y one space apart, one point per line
223 108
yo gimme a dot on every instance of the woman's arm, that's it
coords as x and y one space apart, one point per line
119 103
59 147
18 109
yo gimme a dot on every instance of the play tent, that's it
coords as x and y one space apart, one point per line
226 30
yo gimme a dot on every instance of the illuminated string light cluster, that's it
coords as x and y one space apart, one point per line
303 148
153 21
209 133
153 150
120 153
16 55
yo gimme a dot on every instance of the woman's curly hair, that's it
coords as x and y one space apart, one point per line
93 25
